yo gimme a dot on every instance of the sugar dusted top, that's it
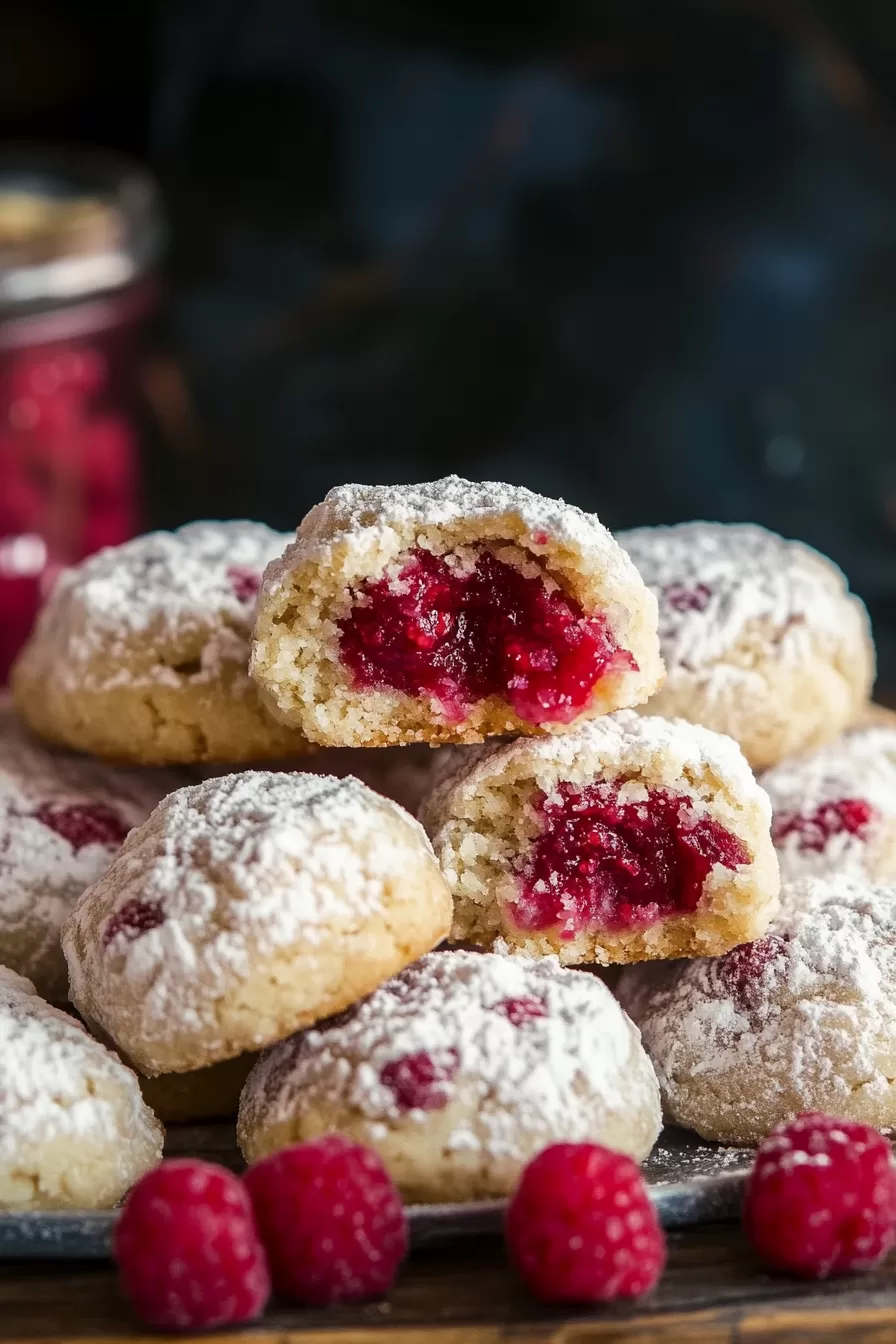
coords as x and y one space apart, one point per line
835 807
350 509
228 870
713 580
58 1081
624 743
184 600
540 1046
809 1004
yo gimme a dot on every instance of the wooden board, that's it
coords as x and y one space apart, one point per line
713 1291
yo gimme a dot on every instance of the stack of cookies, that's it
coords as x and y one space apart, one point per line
221 883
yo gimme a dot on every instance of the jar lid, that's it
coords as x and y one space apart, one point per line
73 223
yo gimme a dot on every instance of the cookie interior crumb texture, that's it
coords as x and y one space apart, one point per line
363 534
484 824
141 652
761 637
246 907
460 1070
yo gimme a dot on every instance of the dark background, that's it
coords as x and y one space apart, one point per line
641 255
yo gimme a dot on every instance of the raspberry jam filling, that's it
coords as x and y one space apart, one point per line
846 816
605 862
522 1010
83 824
460 633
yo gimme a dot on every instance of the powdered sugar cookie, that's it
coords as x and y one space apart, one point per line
141 652
835 808
802 1020
246 907
74 1131
631 837
449 612
62 820
761 637
459 1071
204 1094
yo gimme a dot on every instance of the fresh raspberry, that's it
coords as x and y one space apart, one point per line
331 1220
581 1228
821 1198
419 1082
189 1256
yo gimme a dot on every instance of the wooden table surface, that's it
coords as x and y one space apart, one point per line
713 1290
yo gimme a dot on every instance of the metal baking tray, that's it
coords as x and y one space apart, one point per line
690 1182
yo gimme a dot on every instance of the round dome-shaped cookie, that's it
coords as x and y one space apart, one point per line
62 821
141 652
629 838
802 1020
74 1130
834 809
761 637
450 612
247 907
457 1072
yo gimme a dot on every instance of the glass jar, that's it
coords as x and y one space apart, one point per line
80 235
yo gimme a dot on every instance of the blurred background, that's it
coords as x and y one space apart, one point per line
639 255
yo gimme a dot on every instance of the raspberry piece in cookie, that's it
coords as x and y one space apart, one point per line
457 1072
450 612
581 1227
74 1131
821 1198
834 809
246 907
802 1020
141 652
761 637
62 821
630 838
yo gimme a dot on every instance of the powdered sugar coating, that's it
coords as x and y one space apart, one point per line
42 872
803 1021
712 580
760 635
859 767
575 1071
179 598
239 882
625 740
74 1131
435 504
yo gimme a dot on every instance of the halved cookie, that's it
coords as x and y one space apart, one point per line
450 612
630 838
